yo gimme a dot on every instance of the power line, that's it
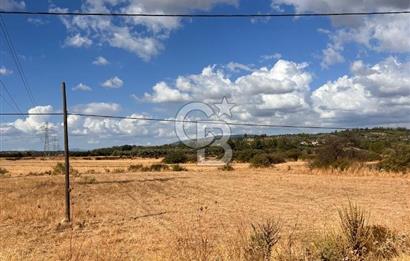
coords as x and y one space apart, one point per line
209 122
4 98
220 15
244 124
176 120
10 96
16 60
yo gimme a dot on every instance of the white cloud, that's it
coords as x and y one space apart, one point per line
4 71
12 5
331 55
237 67
78 41
377 93
142 36
264 92
100 61
113 83
37 21
163 93
388 33
97 108
34 123
275 56
82 87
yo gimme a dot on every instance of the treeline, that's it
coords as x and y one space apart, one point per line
389 146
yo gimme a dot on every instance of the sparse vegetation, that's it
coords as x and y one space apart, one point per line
396 160
175 157
262 240
177 167
156 167
3 172
59 169
226 167
266 160
118 170
135 167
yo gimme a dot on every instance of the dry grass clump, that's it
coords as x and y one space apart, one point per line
135 167
118 170
3 172
226 167
155 167
59 169
354 240
177 167
262 240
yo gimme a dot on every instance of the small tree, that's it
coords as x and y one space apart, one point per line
175 157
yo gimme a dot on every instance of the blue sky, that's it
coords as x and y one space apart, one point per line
321 71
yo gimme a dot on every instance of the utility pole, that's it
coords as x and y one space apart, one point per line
66 157
46 140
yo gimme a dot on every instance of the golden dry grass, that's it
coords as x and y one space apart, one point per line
176 215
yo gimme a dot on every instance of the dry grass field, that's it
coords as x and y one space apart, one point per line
196 214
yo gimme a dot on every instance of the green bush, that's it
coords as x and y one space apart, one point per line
260 161
398 160
266 160
175 157
59 169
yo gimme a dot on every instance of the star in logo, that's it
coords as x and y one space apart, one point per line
224 107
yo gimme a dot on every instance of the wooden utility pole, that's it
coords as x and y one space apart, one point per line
66 156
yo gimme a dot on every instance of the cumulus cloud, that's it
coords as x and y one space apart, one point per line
376 94
78 41
82 87
372 94
263 92
142 36
34 123
379 33
113 83
97 108
5 71
100 61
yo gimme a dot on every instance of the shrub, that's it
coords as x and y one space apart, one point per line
134 168
398 160
384 242
88 180
41 173
276 158
328 248
118 170
157 167
265 160
175 157
262 239
59 169
226 167
178 167
355 230
260 161
3 172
